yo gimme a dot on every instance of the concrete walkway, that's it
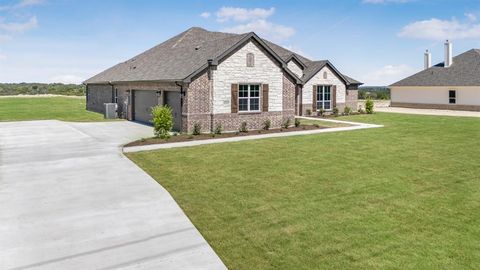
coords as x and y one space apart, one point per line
428 112
353 126
69 199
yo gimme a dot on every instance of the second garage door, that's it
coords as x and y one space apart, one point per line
144 100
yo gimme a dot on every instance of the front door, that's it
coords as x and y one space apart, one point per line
324 97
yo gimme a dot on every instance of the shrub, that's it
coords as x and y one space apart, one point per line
309 112
243 127
335 111
162 121
347 110
218 129
267 124
297 122
321 111
286 124
369 106
197 129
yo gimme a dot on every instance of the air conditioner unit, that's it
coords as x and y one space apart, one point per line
110 110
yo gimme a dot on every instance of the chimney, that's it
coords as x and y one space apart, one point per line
448 54
427 60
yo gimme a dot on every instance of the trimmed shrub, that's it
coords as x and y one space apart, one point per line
218 129
197 129
162 121
369 106
321 111
286 124
347 110
335 111
297 122
267 124
309 112
243 127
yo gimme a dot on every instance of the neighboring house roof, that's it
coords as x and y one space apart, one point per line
187 54
464 71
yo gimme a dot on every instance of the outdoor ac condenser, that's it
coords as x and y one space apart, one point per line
110 110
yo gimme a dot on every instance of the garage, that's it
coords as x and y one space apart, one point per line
144 100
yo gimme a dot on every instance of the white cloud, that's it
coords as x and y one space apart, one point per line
67 79
385 1
2 57
22 4
436 29
19 27
471 17
205 15
387 75
263 28
243 14
5 38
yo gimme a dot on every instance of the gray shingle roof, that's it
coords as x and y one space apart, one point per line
181 56
464 71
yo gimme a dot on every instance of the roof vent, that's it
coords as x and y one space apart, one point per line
197 48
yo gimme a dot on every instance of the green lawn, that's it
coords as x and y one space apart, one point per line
44 108
406 196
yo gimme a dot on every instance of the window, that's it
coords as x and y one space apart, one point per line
452 96
249 98
250 60
324 97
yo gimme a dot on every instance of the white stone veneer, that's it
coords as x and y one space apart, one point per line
318 79
234 70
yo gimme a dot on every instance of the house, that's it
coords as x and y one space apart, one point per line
453 84
214 78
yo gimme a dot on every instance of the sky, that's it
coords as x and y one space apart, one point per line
375 41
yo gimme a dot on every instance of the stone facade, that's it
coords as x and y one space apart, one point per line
97 95
234 70
318 79
295 68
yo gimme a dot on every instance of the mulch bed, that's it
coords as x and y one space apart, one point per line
188 137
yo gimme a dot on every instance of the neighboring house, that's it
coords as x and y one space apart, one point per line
214 78
453 84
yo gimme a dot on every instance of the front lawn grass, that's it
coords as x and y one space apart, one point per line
46 108
406 196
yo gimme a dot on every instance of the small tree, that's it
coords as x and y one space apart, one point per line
243 127
162 121
297 122
267 124
218 129
369 106
286 124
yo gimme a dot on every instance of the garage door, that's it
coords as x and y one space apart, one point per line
144 100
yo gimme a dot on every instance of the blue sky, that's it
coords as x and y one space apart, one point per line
375 41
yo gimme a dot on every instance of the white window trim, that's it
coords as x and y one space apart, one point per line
248 98
323 100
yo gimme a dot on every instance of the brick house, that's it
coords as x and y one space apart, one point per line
215 78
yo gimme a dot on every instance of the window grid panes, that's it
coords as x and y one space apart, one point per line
324 97
249 98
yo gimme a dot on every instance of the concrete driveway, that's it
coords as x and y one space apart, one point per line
70 200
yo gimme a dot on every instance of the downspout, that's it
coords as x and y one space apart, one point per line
210 90
181 103
113 91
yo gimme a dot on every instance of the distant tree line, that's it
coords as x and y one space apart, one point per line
374 92
9 89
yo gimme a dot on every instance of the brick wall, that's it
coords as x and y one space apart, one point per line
97 95
437 106
352 99
197 104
